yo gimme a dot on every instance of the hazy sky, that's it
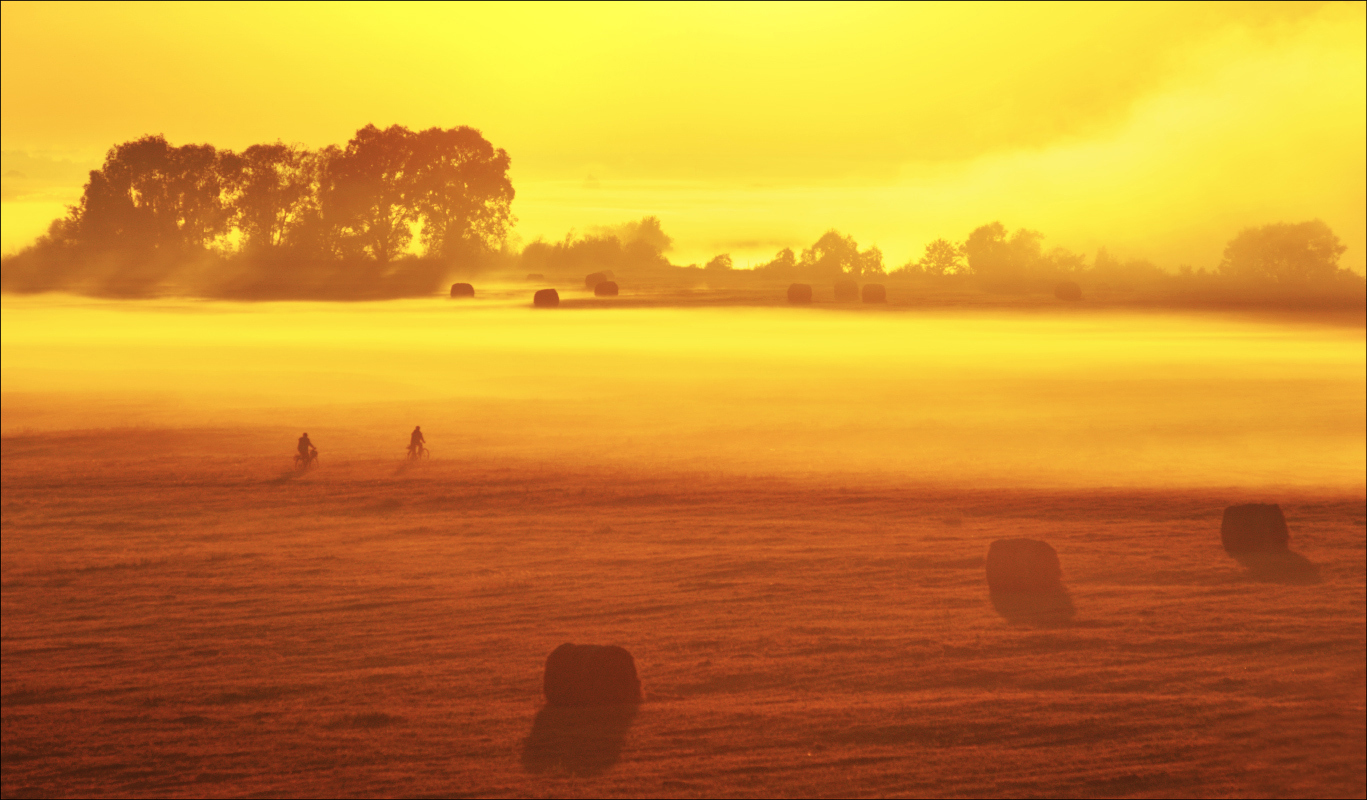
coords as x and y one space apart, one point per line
1158 130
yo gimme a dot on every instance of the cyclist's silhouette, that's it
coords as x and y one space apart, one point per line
416 442
307 452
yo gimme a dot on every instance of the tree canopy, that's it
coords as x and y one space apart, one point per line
1289 253
290 215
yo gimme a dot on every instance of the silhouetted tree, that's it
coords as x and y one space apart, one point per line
367 193
460 191
833 256
1283 252
625 248
991 254
830 256
274 191
869 264
721 263
941 258
152 196
783 265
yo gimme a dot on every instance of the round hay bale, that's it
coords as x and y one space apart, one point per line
594 278
800 293
846 291
462 290
1023 565
875 293
1069 291
605 289
546 298
1254 528
591 675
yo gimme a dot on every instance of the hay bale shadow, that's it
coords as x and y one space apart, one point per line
1280 566
582 740
1050 608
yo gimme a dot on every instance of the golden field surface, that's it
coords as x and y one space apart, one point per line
782 513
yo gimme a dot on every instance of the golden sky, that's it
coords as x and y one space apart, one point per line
1157 130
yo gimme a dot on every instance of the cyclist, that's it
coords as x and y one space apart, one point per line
304 447
415 442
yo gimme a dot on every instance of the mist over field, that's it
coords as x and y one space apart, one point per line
998 397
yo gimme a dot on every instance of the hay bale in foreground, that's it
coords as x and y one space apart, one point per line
591 675
605 289
594 278
1023 565
875 293
546 298
800 293
1254 528
846 291
462 290
1069 291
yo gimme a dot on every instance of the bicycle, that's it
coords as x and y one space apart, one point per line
420 454
303 462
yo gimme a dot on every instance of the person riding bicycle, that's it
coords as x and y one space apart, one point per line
416 442
304 447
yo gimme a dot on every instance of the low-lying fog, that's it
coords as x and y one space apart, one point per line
1074 397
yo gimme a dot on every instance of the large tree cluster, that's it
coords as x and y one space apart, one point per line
278 219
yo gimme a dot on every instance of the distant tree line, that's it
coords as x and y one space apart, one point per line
634 247
1278 258
279 220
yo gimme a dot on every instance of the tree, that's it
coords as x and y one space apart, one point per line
273 192
783 265
991 254
460 191
367 193
831 256
1283 252
942 258
721 263
869 264
149 195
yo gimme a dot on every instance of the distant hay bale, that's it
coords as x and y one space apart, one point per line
800 293
591 675
535 276
594 278
875 293
462 290
1023 565
1254 528
605 289
1067 290
546 298
846 291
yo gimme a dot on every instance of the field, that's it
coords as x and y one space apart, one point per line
781 514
